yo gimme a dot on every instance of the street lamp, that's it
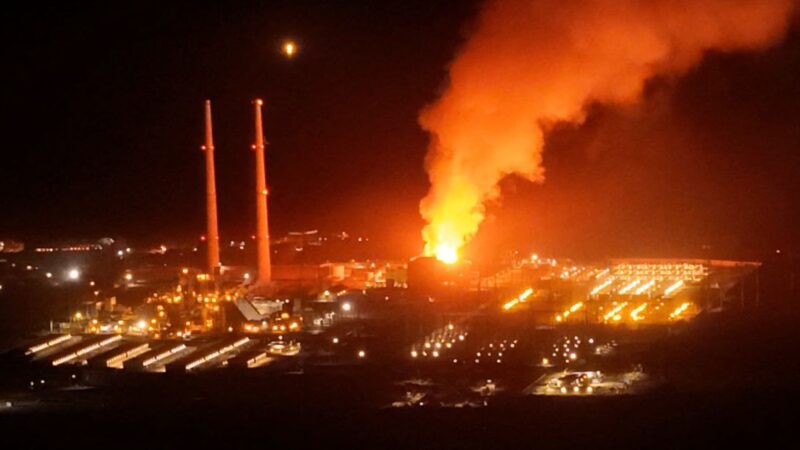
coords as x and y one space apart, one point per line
73 274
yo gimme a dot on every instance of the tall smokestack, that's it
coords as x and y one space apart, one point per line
212 233
262 232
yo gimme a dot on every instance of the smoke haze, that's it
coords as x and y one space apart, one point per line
531 64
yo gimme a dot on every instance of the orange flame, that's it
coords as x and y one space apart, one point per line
530 64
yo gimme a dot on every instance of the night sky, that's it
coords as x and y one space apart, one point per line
102 114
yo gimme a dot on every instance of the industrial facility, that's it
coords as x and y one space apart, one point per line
300 305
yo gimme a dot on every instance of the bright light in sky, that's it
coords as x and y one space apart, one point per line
289 48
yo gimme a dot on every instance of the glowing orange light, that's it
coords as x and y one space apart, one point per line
635 314
446 253
679 311
519 299
289 48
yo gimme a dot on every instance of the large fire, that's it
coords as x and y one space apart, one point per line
447 253
532 63
450 222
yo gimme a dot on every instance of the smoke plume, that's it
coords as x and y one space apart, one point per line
530 63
